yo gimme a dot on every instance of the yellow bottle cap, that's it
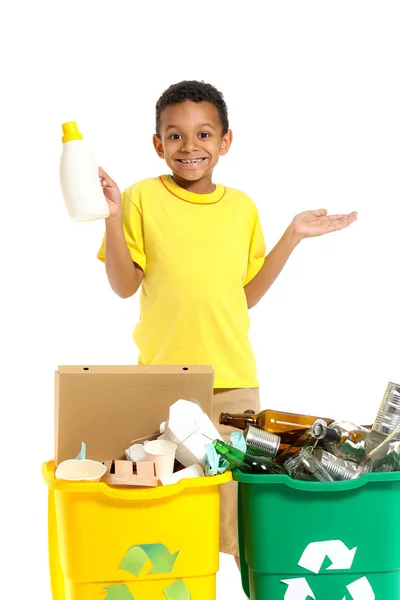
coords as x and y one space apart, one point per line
70 131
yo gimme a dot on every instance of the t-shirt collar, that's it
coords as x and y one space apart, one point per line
183 194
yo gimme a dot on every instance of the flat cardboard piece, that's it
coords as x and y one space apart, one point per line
109 406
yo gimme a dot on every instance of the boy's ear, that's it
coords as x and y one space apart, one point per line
226 142
158 145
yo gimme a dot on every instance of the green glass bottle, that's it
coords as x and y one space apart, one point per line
246 463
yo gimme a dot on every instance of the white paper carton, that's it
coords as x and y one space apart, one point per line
191 429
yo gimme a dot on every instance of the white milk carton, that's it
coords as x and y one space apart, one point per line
191 429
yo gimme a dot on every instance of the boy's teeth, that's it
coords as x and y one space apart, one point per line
192 161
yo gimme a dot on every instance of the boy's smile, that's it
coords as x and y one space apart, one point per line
191 143
191 162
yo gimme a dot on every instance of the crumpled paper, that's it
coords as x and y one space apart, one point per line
215 463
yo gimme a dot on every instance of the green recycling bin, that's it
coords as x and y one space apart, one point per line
327 541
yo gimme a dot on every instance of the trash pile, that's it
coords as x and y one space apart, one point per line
315 449
271 442
177 451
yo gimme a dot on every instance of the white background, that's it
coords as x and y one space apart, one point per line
313 92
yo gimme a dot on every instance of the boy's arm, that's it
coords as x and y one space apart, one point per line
273 265
124 275
310 223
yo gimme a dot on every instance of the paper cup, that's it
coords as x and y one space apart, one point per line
192 471
162 454
80 470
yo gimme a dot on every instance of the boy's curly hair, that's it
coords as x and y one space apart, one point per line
196 91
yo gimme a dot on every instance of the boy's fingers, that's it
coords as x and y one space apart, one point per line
319 212
106 179
103 174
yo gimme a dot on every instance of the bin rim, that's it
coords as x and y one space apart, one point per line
150 493
316 486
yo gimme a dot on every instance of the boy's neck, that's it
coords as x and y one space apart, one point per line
202 186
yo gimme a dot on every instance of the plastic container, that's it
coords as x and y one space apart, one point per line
112 542
75 469
79 179
330 540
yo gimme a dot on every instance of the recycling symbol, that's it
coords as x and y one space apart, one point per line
162 560
341 558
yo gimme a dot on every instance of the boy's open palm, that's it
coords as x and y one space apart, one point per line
312 223
111 192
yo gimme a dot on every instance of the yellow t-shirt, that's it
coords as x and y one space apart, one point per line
197 252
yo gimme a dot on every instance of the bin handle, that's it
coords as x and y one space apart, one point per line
244 568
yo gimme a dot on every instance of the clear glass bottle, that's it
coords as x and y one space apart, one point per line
342 438
304 465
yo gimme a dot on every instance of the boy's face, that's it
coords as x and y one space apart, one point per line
191 131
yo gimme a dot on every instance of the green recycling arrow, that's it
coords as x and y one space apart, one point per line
136 557
177 591
163 561
134 560
118 592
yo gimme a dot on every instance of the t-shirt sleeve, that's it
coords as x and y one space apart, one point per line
133 230
256 249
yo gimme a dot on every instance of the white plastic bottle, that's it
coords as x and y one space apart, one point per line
80 184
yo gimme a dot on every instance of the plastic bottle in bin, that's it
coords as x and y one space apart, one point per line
387 418
247 463
385 456
342 438
390 462
289 426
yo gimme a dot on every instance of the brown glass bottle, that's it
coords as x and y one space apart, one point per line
305 440
273 421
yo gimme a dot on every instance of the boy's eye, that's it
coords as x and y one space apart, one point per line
175 136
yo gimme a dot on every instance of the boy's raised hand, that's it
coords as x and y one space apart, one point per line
312 223
111 193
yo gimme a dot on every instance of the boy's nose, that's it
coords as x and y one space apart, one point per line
189 144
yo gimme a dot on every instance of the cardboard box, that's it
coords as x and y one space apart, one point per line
109 406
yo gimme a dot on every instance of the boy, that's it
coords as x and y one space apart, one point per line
198 251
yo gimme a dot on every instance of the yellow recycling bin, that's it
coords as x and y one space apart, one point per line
117 543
